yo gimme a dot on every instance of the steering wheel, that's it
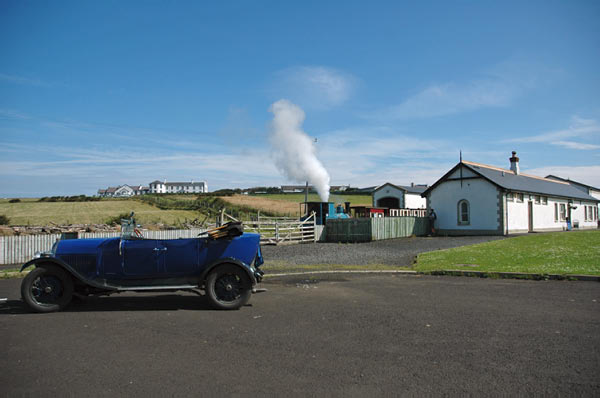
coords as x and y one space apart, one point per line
138 233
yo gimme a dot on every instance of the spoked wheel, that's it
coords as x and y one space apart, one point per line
47 289
228 287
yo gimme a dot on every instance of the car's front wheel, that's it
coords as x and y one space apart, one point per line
47 289
228 287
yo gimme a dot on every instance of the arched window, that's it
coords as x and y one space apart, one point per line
464 212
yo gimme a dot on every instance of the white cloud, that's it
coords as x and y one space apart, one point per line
579 128
23 80
314 87
575 145
452 98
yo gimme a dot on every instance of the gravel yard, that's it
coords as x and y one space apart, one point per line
400 252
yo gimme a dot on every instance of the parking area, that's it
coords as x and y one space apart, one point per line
350 335
398 252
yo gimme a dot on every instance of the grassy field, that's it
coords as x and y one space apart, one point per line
553 253
288 203
31 212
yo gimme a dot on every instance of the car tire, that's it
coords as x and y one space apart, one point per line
228 287
47 289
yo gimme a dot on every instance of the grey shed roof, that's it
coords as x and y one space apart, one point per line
507 180
416 189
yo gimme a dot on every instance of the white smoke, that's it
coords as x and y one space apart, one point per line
294 151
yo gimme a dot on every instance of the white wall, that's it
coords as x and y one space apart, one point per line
543 215
415 201
483 201
386 191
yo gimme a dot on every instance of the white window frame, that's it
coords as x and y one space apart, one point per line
460 213
520 197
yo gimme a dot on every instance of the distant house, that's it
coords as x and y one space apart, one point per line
178 187
399 196
302 188
123 191
478 199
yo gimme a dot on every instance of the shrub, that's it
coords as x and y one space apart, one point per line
116 220
4 220
14 201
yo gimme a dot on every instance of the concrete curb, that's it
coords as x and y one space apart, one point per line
479 274
514 275
387 271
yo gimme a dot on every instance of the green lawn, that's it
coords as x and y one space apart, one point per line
561 253
355 200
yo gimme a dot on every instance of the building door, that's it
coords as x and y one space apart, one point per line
530 215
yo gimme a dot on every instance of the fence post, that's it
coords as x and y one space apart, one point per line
276 232
315 227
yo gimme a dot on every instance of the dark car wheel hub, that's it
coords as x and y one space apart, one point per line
46 290
227 288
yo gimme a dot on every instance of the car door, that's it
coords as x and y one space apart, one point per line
141 257
180 256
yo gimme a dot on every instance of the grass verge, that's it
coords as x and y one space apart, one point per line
560 253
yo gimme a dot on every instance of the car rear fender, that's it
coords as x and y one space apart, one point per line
229 260
53 261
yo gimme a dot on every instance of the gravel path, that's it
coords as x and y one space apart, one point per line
400 252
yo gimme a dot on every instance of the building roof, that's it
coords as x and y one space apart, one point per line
182 184
508 180
179 183
416 189
567 180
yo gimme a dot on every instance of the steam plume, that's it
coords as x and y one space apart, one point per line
294 151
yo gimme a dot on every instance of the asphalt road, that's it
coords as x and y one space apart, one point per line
344 336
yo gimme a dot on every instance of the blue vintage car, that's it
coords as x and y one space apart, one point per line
224 264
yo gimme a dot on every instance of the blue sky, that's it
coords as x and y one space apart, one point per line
94 94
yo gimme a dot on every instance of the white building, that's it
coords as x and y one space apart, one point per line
477 199
178 187
399 196
123 191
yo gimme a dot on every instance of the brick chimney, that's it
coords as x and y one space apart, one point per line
514 163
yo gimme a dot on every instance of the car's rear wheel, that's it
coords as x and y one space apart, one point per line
228 287
47 289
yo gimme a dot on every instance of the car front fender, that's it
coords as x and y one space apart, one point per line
40 262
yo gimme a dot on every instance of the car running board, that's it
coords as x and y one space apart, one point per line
139 288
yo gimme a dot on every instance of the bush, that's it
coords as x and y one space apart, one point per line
4 220
14 201
75 198
116 220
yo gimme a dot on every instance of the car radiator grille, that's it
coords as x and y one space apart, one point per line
85 264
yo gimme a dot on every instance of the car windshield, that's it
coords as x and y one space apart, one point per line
128 227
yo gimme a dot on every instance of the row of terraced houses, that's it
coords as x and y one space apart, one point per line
156 186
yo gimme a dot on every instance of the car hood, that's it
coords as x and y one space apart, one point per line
81 246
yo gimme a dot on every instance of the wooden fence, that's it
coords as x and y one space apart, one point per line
280 230
408 212
378 228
